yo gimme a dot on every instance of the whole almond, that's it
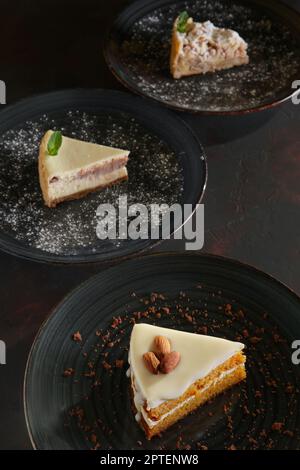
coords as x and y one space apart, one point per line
151 362
162 345
169 362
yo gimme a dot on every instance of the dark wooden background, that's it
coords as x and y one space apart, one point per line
252 199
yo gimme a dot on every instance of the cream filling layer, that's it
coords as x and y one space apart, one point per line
67 186
152 423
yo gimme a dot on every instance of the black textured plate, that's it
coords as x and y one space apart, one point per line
90 408
138 48
166 165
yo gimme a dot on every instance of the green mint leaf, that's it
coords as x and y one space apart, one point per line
54 143
182 21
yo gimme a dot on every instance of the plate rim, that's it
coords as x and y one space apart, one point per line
10 245
81 286
136 90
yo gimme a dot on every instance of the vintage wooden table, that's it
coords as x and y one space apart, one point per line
252 200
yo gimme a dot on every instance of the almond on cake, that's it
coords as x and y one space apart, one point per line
70 168
198 48
174 372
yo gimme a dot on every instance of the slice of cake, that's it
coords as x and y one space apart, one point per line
70 168
199 48
173 372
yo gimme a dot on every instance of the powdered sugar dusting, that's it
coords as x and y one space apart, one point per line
155 176
273 49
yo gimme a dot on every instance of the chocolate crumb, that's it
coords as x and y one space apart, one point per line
277 426
93 439
77 337
231 447
106 365
228 309
289 389
68 372
240 314
189 318
166 310
252 441
90 374
201 446
116 321
288 433
119 363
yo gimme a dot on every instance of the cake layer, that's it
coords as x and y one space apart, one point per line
187 69
182 409
63 189
234 362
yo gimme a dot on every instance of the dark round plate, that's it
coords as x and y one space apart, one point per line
90 408
138 47
166 165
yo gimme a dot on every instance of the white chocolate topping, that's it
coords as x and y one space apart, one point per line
75 155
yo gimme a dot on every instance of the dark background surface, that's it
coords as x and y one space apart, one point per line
251 202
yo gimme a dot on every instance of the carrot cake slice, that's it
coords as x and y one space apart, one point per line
198 48
70 168
173 372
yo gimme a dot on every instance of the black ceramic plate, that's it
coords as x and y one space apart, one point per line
138 47
90 408
166 165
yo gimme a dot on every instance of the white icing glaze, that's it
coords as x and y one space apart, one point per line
200 354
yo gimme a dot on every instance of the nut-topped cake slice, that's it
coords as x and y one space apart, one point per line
198 48
173 372
70 168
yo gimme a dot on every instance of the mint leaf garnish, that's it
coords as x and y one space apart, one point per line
54 143
182 21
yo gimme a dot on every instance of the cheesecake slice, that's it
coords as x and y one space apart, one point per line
174 372
198 48
76 168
